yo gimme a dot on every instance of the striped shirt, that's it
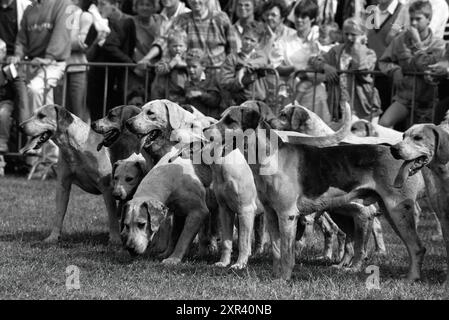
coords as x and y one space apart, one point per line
213 34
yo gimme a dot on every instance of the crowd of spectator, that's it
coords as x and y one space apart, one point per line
212 54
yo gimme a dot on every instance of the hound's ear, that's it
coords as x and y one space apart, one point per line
63 117
157 211
298 119
175 114
441 144
124 211
141 166
128 112
114 167
266 113
250 118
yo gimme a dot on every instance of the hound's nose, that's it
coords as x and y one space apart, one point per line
94 125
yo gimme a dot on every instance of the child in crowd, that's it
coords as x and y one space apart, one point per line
201 92
412 51
352 55
240 74
171 72
329 36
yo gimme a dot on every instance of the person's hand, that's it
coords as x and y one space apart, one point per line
248 78
359 47
331 73
143 63
177 61
413 35
240 74
440 68
13 60
42 61
101 38
398 77
193 94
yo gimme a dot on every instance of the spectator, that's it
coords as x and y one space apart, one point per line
245 13
441 73
77 75
208 30
295 52
44 38
172 9
274 13
147 22
118 46
392 17
329 36
11 14
352 55
440 15
171 72
6 104
201 92
240 74
412 51
136 98
128 7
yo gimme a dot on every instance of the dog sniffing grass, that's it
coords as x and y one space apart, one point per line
30 269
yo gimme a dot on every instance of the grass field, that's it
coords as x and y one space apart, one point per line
30 269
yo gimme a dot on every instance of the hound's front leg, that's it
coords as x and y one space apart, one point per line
275 237
287 227
246 224
111 207
63 187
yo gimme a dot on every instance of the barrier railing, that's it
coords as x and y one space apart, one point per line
291 85
273 97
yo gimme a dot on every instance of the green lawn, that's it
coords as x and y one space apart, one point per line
30 269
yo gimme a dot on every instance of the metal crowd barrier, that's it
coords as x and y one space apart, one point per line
273 98
291 85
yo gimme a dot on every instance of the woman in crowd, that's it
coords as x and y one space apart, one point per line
294 52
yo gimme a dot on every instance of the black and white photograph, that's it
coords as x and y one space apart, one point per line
224 155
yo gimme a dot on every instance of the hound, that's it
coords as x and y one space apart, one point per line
299 118
233 182
78 162
293 176
426 148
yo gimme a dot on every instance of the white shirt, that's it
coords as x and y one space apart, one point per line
296 52
440 15
383 15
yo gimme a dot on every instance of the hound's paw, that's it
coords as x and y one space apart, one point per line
239 266
171 261
221 264
213 248
52 239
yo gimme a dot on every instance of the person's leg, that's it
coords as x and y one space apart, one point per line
394 114
384 86
21 96
43 83
76 92
5 124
